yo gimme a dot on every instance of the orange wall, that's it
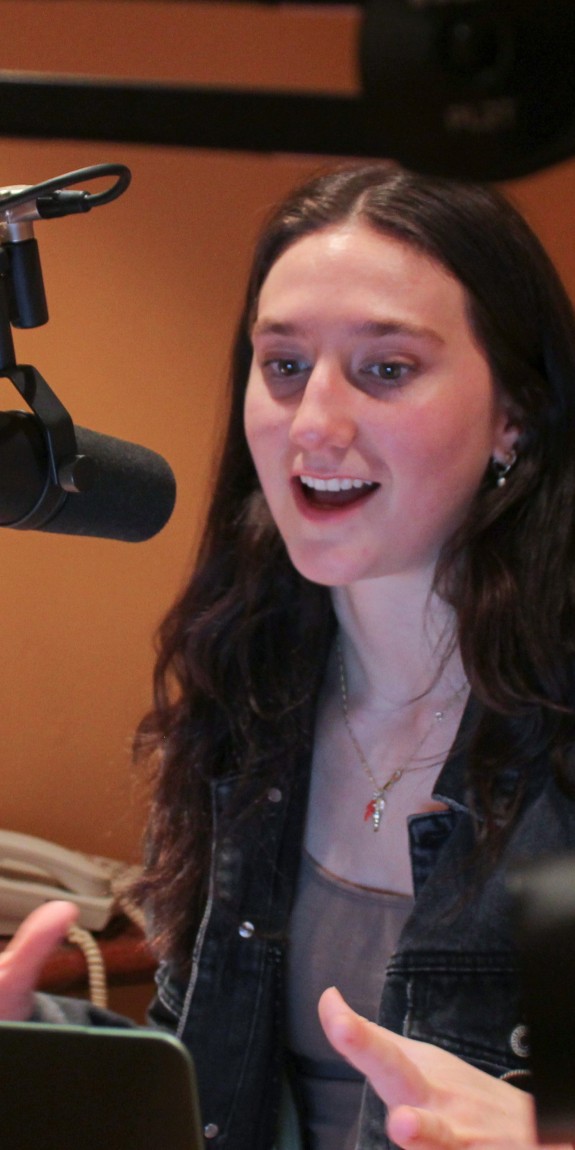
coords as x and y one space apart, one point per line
143 295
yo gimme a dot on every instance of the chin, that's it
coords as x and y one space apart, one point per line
345 570
334 573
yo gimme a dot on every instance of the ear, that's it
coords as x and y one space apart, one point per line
507 433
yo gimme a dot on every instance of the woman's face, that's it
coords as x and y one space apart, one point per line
370 412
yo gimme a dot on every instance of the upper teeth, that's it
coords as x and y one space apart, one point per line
333 484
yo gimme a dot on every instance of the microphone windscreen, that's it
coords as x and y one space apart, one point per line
132 496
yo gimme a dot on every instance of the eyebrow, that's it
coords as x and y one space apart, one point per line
371 327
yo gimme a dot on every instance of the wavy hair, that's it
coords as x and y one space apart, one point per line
243 650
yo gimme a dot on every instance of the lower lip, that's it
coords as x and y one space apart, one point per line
319 514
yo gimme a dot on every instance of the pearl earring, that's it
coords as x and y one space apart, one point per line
502 467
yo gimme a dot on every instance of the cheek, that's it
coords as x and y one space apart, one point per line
455 437
253 415
263 428
440 465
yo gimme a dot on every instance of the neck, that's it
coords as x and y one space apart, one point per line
397 640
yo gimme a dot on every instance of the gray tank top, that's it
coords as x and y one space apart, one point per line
341 935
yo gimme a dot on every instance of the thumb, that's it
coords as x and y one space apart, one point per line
374 1051
22 961
422 1130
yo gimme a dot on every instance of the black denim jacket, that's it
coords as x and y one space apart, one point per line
452 981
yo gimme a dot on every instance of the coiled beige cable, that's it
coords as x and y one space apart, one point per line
120 878
97 986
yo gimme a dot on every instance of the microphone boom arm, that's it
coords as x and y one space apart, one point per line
23 304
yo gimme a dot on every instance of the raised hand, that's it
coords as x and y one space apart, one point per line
435 1100
22 961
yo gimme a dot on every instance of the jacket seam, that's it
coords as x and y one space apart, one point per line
201 936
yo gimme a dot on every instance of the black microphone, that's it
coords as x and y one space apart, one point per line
130 496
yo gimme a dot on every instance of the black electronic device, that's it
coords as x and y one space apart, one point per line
482 89
72 1087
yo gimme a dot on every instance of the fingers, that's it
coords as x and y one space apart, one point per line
435 1101
375 1052
49 923
22 961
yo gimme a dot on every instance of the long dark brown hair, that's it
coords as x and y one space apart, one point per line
243 651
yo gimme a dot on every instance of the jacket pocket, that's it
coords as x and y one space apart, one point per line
467 1004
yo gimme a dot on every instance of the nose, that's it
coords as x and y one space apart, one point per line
324 415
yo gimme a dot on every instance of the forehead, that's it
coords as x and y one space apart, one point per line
355 268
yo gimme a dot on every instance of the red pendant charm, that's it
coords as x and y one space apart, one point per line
375 809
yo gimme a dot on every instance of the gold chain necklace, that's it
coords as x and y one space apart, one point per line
376 805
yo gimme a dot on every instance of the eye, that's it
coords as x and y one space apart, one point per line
389 371
285 368
284 375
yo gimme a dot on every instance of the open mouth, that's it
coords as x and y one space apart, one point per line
334 492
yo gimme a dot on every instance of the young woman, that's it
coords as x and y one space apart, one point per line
364 697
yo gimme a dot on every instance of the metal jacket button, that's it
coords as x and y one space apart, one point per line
246 929
211 1130
519 1041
